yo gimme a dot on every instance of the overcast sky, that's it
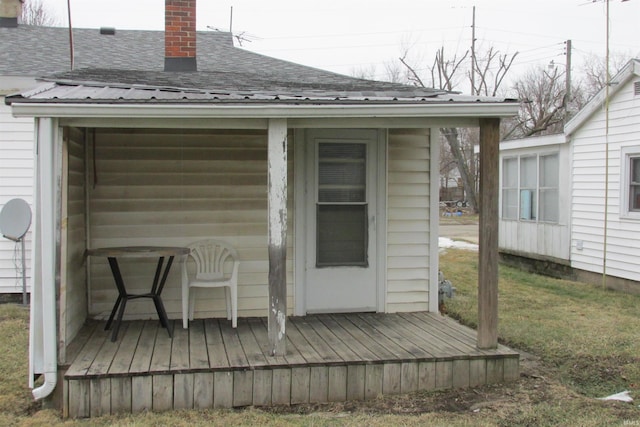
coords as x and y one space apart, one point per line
349 35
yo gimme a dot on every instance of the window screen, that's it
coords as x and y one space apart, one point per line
510 188
549 181
528 187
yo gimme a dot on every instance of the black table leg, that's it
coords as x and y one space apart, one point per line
121 302
156 290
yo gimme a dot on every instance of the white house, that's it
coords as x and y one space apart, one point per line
555 190
325 185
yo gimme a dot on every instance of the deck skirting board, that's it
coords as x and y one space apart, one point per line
278 386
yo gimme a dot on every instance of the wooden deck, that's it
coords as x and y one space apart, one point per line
332 357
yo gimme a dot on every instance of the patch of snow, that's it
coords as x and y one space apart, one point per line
622 397
446 243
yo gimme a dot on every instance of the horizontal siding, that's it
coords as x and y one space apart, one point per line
588 200
16 181
408 235
170 189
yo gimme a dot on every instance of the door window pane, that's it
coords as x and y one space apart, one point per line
341 235
342 172
341 216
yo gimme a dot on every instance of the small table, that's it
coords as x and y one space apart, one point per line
161 252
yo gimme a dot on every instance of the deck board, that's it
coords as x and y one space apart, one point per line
397 335
161 358
378 351
179 350
85 357
260 333
297 339
235 353
198 357
105 356
325 351
343 351
144 350
353 345
373 332
253 352
124 356
215 344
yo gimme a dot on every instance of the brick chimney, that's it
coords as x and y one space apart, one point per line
180 35
9 13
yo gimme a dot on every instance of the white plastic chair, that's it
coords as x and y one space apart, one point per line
217 266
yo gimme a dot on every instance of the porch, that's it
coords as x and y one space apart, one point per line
330 357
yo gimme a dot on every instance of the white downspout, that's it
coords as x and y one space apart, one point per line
44 340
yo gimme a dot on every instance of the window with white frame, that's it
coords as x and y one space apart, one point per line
510 188
631 182
530 187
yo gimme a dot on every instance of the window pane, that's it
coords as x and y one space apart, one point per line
342 172
549 208
635 170
549 180
510 204
528 207
510 173
339 150
634 195
528 175
549 171
342 232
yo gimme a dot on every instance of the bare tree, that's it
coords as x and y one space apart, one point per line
34 13
542 111
392 73
446 73
595 71
545 105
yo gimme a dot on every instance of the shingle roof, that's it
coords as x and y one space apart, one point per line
39 51
128 67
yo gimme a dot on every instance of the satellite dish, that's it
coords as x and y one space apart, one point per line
15 219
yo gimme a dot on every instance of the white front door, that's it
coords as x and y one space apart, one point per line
340 233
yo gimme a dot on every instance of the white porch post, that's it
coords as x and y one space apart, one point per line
277 207
488 257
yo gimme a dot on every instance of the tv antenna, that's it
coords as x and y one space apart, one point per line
15 219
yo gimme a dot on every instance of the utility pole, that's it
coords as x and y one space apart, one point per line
473 52
568 66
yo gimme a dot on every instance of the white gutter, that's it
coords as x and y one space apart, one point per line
268 111
43 339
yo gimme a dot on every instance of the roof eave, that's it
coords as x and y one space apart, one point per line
261 111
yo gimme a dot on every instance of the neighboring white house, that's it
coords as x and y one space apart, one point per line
555 189
16 178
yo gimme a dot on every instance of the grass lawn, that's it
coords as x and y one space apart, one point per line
580 342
